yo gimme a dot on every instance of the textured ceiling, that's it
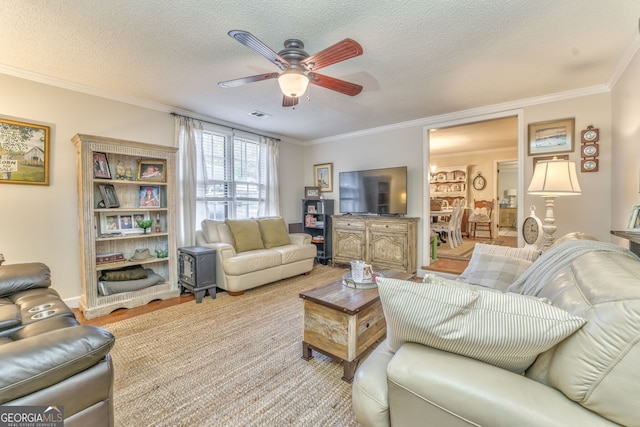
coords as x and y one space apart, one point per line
421 58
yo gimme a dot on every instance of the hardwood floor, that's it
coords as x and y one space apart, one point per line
127 313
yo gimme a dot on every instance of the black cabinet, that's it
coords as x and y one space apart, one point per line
197 271
316 221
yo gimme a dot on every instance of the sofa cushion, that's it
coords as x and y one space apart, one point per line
484 249
247 262
295 253
496 271
246 234
215 231
273 231
21 277
506 330
598 366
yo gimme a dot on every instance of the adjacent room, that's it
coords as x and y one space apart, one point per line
248 213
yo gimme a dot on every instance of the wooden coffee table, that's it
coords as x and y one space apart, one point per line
343 322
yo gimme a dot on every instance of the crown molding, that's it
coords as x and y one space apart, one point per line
465 114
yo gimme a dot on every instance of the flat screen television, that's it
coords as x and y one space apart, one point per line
374 191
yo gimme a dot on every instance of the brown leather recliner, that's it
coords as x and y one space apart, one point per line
46 357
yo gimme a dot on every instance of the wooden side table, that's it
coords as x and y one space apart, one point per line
197 271
343 322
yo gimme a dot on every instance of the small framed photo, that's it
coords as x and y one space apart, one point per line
149 196
109 223
101 166
152 170
323 176
311 192
109 196
634 220
311 209
554 136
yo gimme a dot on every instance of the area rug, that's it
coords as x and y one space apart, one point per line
464 251
229 361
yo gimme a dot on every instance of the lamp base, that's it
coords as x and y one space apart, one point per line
548 225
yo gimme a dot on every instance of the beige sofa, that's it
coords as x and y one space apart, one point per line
254 252
589 378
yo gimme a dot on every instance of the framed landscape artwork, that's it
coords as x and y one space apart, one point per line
554 136
24 153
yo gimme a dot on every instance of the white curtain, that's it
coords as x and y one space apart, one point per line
271 205
188 138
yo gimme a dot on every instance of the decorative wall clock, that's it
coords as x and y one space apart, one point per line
479 182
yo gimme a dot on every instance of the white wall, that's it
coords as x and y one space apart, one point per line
40 223
589 212
399 147
625 141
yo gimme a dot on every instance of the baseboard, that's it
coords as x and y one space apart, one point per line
72 302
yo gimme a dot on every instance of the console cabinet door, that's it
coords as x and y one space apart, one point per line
349 239
389 245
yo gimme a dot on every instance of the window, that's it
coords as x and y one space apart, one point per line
231 174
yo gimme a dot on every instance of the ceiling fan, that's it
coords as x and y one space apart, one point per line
298 67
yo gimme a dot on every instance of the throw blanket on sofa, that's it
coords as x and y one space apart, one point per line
555 259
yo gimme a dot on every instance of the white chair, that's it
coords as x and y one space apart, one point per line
449 226
462 204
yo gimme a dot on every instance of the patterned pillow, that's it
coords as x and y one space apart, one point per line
481 248
506 330
496 271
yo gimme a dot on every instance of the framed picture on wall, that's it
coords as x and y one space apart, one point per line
323 176
554 136
24 153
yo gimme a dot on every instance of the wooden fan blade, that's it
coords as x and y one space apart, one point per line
252 42
332 83
288 101
250 79
340 51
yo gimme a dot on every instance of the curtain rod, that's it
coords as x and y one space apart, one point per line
224 126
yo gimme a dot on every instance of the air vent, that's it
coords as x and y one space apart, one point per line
259 114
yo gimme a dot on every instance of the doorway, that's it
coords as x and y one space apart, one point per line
482 144
507 197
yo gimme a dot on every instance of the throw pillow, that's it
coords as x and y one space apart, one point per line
481 248
496 271
128 273
246 234
274 232
506 330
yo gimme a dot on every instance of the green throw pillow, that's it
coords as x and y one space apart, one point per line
246 234
128 273
274 232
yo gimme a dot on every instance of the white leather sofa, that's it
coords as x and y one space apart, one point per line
590 378
254 252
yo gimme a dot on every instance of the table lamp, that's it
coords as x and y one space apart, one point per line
511 195
551 179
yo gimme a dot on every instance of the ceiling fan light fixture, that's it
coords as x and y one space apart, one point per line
293 83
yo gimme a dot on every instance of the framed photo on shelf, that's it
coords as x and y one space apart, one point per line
311 192
109 223
151 170
149 196
311 209
554 136
121 223
109 196
634 220
24 153
101 166
323 176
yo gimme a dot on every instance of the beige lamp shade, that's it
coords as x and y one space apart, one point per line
555 178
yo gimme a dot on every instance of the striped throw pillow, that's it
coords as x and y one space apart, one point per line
506 330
